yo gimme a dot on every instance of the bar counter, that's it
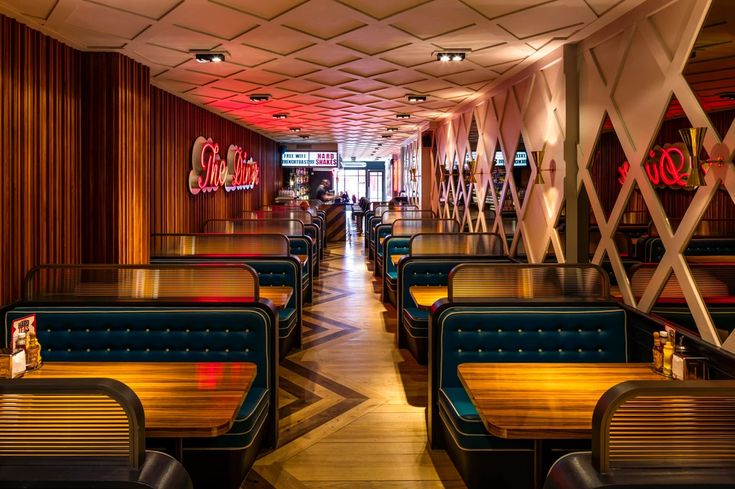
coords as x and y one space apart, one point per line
336 221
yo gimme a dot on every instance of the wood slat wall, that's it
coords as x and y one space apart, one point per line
40 145
95 159
175 124
116 159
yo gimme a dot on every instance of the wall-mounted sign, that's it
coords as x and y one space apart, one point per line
309 158
521 158
666 167
209 172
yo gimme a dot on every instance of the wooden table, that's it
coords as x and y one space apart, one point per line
180 399
278 294
710 259
426 295
543 400
396 258
538 401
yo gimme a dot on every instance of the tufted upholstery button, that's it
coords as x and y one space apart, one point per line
247 350
188 330
206 350
540 330
479 350
227 350
520 350
559 350
599 350
558 330
147 349
68 349
109 349
148 330
459 350
540 350
68 330
127 349
579 330
48 330
86 330
127 330
187 350
167 350
500 330
500 350
206 330
520 330
579 350
108 330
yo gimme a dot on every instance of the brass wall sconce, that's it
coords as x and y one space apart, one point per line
693 138
412 172
538 158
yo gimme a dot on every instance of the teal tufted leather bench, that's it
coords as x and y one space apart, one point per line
464 333
412 329
393 245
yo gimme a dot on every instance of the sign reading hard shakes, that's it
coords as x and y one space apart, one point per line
209 171
310 158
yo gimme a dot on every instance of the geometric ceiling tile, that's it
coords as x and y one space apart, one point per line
223 69
412 55
228 24
442 70
549 17
364 86
428 86
173 37
381 10
391 93
265 10
39 9
276 39
493 10
362 99
334 104
145 8
434 19
187 76
474 38
330 78
375 39
309 18
299 86
471 77
211 92
161 56
327 56
601 7
452 93
332 93
292 68
367 67
261 77
400 77
234 85
95 18
501 54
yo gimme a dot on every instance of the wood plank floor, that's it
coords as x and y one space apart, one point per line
352 404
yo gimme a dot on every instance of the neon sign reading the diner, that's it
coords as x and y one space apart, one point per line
666 167
209 172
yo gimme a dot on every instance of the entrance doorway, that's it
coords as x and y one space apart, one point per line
361 183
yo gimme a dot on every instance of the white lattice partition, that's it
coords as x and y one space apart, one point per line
630 71
531 106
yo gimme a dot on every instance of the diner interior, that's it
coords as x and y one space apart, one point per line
396 244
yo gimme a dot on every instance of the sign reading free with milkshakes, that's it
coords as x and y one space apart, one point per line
209 171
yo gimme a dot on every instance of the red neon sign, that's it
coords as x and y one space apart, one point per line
209 172
666 167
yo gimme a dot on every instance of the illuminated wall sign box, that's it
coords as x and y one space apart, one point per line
209 172
310 158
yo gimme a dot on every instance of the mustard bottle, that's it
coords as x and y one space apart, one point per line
668 353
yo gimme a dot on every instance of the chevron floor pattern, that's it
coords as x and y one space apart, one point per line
351 403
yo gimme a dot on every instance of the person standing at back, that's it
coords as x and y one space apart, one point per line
322 191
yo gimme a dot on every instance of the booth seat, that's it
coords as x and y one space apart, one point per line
381 231
278 271
463 333
393 245
651 249
303 246
412 328
215 333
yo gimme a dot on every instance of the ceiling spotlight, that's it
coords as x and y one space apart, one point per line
726 95
385 136
280 116
450 56
304 136
416 98
380 144
392 129
294 129
260 97
403 116
209 57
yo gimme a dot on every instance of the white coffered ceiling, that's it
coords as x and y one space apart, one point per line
340 69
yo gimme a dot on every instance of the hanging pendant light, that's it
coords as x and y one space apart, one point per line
538 158
693 138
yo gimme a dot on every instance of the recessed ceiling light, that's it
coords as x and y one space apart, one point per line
209 57
380 144
294 129
416 98
304 136
727 95
447 56
403 116
280 116
385 136
392 129
260 97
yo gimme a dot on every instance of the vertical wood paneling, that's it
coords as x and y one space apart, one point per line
115 161
40 145
175 124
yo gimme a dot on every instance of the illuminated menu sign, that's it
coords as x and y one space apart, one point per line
309 158
521 159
